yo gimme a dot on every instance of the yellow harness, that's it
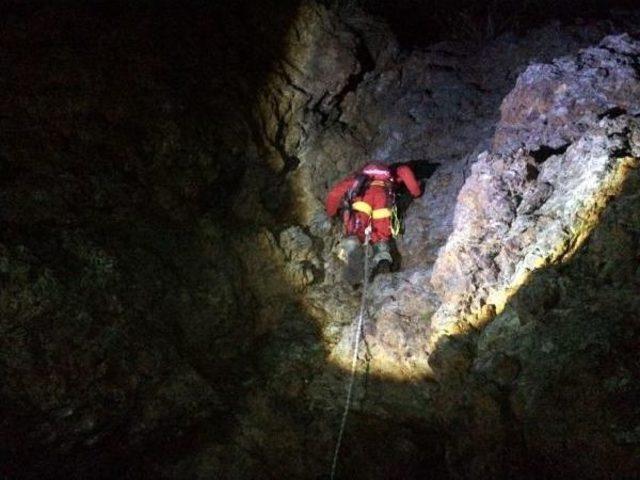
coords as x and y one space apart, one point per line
367 209
379 213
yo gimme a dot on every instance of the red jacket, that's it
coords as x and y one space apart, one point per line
403 175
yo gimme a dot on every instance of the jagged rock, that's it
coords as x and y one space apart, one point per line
297 246
528 231
168 271
453 357
515 213
439 106
499 368
554 104
564 373
379 111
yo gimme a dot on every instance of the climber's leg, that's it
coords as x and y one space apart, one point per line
382 259
355 224
350 251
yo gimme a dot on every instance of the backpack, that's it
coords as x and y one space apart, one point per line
363 179
358 187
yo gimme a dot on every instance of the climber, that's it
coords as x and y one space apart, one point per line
368 198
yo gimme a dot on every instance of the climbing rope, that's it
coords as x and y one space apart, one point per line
357 333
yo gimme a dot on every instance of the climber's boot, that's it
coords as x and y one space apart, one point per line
351 253
382 260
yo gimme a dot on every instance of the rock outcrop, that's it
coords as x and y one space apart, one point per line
509 193
533 200
527 337
184 285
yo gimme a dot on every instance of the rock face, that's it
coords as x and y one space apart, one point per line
556 364
123 318
436 107
535 204
563 146
529 246
184 285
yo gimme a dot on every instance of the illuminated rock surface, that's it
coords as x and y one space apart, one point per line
171 302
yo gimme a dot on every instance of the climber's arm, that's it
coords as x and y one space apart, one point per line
334 197
406 176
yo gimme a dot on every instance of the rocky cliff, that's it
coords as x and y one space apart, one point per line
172 303
514 191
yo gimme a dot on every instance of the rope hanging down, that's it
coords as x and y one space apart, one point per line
357 333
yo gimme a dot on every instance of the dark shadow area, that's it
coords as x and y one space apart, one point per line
122 143
418 23
131 345
550 387
423 170
420 455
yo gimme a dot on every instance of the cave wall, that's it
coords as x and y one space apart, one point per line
551 384
556 153
124 320
171 300
437 107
